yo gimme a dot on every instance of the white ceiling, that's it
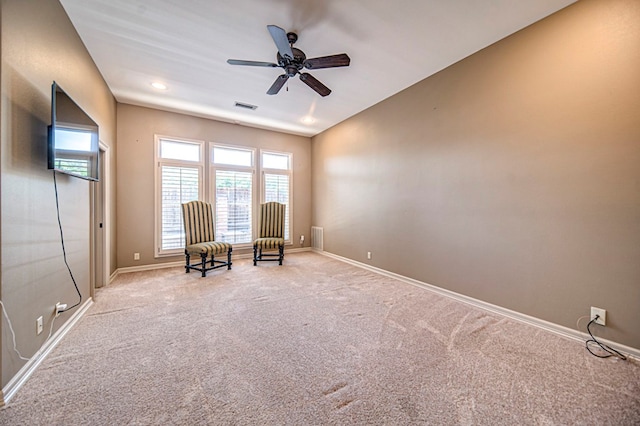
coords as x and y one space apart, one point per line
185 44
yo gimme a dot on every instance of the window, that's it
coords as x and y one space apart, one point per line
228 183
276 183
232 173
178 180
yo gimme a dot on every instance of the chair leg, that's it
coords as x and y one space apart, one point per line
281 254
187 258
229 259
204 264
255 255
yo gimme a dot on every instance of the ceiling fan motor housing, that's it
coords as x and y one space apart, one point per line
292 66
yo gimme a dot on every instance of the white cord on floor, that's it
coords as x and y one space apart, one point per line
13 334
51 328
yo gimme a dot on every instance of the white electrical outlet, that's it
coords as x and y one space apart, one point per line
39 325
601 313
60 308
136 256
301 239
369 255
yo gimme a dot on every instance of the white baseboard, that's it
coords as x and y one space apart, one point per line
527 319
181 262
27 370
150 267
294 250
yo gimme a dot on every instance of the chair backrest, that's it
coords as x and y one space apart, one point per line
271 220
198 222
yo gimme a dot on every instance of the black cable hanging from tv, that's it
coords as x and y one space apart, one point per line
64 252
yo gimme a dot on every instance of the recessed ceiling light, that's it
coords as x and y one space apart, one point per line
158 85
308 120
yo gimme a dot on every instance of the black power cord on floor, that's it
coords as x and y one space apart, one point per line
64 252
607 349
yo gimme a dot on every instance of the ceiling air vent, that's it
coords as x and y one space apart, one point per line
245 106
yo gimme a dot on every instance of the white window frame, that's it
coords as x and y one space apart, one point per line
158 163
212 179
289 173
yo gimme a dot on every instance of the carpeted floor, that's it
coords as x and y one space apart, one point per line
313 342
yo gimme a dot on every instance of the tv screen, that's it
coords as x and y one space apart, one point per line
73 138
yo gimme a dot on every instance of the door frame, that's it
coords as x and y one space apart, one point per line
96 216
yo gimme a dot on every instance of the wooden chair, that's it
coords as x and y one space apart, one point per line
200 240
270 233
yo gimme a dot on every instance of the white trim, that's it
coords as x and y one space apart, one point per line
517 316
201 143
150 267
213 145
275 152
211 180
293 250
106 219
159 162
36 359
288 172
106 240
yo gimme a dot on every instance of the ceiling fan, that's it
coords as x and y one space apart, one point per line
293 60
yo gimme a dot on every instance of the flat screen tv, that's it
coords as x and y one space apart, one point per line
73 138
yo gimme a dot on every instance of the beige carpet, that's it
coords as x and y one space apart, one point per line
313 342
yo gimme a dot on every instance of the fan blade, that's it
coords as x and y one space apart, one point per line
341 60
279 37
251 63
312 82
277 85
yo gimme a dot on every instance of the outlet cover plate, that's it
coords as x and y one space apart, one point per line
602 315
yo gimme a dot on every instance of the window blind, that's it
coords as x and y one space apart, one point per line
234 198
276 188
179 185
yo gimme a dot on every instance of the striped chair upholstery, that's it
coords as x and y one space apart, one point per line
270 233
199 232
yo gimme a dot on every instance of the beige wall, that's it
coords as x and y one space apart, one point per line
512 176
137 127
39 45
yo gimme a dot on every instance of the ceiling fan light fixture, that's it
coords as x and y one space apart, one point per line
308 120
